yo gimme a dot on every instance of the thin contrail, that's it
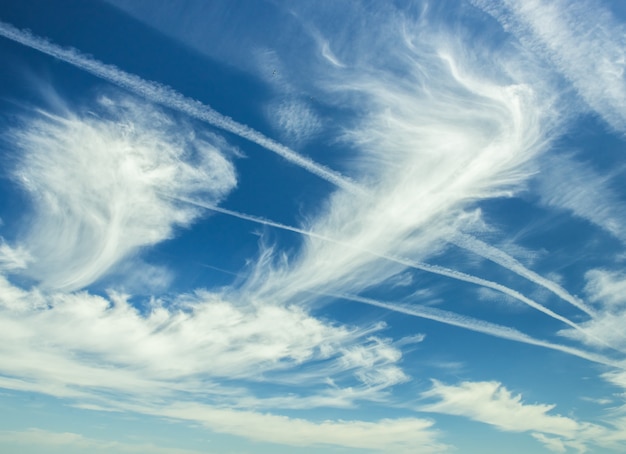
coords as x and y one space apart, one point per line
166 96
435 269
472 324
494 254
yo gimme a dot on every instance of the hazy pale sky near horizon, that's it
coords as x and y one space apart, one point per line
269 226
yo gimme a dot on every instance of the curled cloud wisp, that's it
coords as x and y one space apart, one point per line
434 137
94 179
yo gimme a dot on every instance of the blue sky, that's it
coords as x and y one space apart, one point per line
302 227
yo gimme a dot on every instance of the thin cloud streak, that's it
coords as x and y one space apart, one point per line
503 259
168 97
480 326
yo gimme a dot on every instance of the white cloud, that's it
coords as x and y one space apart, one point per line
188 344
607 290
434 138
440 130
493 404
574 186
582 39
554 444
102 353
294 120
102 185
13 258
168 97
510 263
68 440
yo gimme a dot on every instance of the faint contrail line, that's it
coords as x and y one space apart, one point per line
472 324
435 269
506 261
167 96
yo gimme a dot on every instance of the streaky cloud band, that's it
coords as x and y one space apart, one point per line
495 255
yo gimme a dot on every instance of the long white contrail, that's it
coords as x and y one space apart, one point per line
472 324
435 269
170 98
503 259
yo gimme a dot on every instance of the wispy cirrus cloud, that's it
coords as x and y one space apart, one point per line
427 151
502 258
433 129
294 120
583 41
97 180
264 267
573 185
13 258
607 290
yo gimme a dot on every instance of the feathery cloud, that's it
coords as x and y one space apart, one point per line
99 183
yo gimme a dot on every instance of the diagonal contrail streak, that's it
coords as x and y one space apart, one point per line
495 255
170 98
472 324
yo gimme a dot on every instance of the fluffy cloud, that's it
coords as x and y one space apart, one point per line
492 403
173 344
171 359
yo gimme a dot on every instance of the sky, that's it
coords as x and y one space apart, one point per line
319 226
